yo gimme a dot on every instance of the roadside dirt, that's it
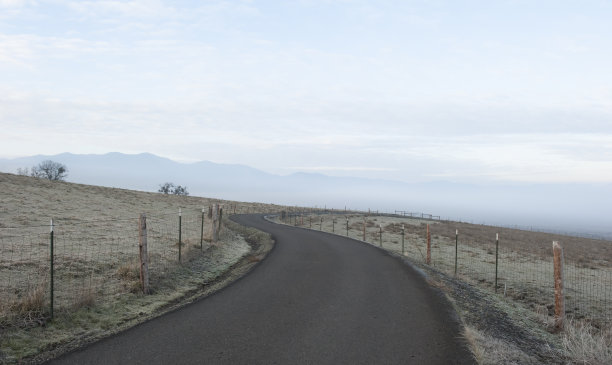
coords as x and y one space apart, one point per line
504 338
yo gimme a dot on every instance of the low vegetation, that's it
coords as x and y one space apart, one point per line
170 188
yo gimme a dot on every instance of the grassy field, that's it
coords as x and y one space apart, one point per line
97 288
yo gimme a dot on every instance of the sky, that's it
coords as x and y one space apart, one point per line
463 91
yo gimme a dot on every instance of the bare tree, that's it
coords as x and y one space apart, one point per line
50 170
23 172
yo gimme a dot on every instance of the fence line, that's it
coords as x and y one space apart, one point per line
499 265
46 272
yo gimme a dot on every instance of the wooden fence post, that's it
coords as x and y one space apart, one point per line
496 258
347 227
143 255
180 229
215 218
364 229
559 296
428 245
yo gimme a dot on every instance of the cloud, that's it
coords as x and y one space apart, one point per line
412 92
131 9
14 3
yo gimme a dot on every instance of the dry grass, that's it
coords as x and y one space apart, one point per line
585 344
85 298
32 301
491 350
130 276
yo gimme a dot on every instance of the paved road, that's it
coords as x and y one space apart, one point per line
316 299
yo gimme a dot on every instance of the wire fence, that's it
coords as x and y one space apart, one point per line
56 269
518 267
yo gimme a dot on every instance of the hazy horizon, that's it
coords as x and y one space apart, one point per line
562 207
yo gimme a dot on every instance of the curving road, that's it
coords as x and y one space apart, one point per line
316 299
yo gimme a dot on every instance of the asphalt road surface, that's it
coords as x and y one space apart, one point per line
316 299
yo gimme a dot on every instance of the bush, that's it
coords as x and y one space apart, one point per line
169 188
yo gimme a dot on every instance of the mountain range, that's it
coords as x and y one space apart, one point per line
581 208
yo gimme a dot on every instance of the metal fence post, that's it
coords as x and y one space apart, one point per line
559 295
202 228
380 234
180 231
496 258
456 245
403 235
428 260
51 268
220 217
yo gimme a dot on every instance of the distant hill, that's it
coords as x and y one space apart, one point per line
562 207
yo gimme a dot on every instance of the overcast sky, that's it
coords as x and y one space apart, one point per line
406 90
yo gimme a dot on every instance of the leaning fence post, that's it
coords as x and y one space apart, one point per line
180 231
559 296
428 246
51 268
496 258
143 255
